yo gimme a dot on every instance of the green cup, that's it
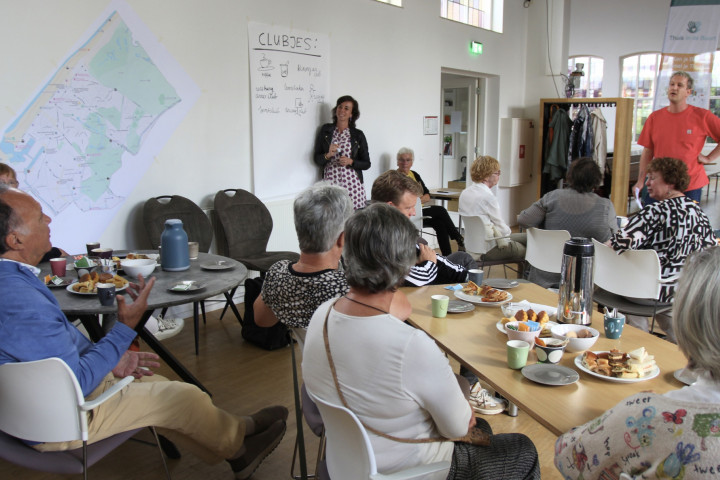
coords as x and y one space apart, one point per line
439 305
517 353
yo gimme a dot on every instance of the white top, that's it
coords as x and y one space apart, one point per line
394 378
478 201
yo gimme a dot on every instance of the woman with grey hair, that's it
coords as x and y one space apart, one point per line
393 376
678 428
292 291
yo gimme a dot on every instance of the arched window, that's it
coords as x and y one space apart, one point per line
487 14
638 82
591 82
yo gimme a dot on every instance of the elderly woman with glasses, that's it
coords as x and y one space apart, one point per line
391 375
439 219
478 200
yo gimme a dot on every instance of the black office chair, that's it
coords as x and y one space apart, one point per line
195 223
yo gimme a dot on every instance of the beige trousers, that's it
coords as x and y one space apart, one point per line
180 411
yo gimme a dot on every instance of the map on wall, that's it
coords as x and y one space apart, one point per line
82 143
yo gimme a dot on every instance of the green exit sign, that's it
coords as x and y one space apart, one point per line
476 48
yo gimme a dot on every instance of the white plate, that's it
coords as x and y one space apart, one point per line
458 306
578 363
503 283
192 286
69 289
477 299
501 327
549 374
219 265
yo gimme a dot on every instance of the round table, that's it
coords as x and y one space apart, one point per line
214 281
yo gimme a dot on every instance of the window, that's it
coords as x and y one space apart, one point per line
638 82
639 74
397 3
591 83
485 14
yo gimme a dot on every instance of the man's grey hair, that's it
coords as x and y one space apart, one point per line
379 248
696 311
320 214
687 76
9 219
405 151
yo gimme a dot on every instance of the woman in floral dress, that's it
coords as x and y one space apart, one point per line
342 152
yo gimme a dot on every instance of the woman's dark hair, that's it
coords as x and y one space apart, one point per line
673 171
355 112
584 175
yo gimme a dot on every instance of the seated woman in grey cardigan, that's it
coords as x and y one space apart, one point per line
575 209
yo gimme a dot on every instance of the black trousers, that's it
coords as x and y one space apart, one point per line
443 225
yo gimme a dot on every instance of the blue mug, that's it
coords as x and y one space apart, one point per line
614 326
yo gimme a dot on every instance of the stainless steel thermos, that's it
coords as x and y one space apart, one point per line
576 282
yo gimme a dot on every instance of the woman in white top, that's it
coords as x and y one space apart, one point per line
392 376
479 201
674 435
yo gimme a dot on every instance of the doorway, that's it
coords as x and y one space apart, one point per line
458 139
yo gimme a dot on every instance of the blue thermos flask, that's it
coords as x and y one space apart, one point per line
174 243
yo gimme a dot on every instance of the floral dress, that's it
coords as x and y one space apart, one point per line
345 177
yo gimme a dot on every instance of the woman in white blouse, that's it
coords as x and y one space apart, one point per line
479 201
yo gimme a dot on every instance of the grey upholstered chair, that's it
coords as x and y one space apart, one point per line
247 225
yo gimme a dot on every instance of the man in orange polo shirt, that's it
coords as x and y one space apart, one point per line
679 131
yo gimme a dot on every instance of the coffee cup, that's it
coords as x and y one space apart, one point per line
517 353
475 275
106 293
92 246
58 266
193 250
439 305
102 252
614 326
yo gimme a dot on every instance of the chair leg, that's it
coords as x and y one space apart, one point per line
162 456
300 438
85 474
196 325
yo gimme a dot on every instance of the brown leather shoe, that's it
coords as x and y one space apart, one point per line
257 448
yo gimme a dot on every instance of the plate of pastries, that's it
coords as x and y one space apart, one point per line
483 295
87 284
617 366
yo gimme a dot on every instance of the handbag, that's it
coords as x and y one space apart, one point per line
474 437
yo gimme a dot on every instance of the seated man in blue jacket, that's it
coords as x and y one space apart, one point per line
33 327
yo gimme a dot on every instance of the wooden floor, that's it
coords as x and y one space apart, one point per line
242 379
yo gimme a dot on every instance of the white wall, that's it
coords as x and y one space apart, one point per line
632 27
389 58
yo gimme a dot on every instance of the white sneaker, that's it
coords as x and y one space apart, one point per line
485 403
167 327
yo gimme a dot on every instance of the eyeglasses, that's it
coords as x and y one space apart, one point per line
496 173
11 183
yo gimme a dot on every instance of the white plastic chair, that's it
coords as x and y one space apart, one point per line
479 240
41 401
350 455
632 274
545 248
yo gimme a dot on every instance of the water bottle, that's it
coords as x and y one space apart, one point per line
174 243
576 282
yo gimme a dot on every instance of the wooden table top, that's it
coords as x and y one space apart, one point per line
473 339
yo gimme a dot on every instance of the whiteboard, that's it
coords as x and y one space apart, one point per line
289 83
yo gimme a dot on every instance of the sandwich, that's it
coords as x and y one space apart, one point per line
639 363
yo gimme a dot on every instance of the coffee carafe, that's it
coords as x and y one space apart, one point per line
174 254
576 282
